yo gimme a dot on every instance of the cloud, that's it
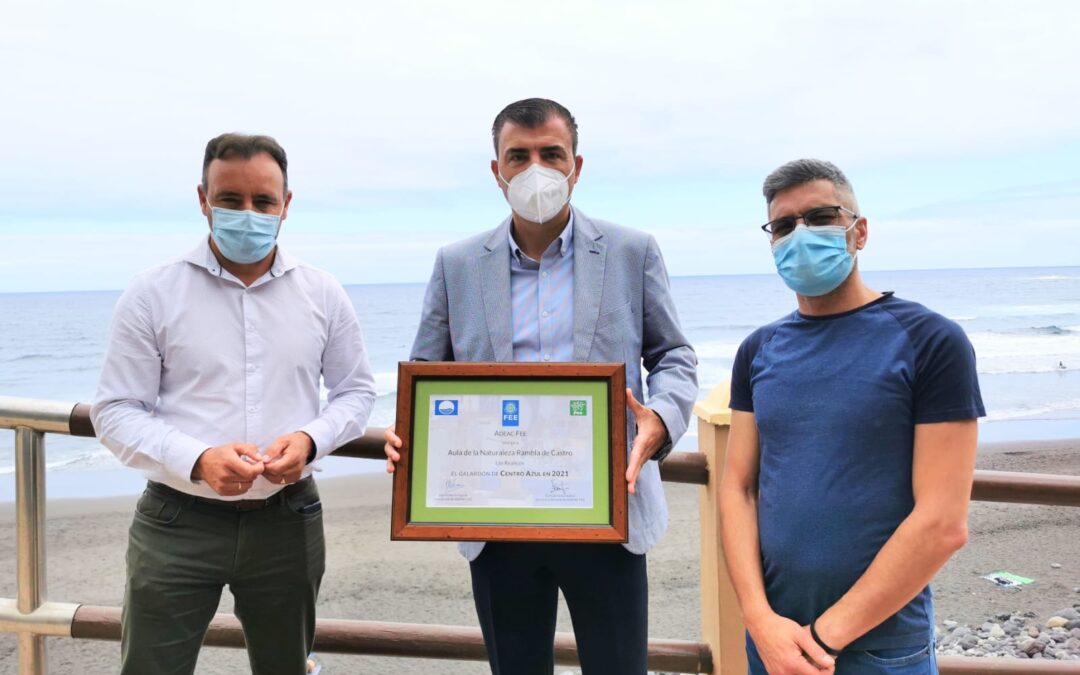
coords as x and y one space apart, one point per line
117 99
954 119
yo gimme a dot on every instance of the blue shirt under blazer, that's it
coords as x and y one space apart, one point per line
623 311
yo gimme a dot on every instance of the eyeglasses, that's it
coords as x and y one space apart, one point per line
822 216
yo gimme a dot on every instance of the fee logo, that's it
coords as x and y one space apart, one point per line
579 408
511 414
445 407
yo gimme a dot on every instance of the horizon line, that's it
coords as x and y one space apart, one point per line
672 276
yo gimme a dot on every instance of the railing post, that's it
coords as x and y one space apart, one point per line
721 622
30 541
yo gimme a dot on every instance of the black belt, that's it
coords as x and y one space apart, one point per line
278 497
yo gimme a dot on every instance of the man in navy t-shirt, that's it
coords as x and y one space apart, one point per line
851 451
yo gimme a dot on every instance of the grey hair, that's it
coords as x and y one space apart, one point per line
801 171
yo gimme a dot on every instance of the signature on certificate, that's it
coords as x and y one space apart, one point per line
558 487
450 485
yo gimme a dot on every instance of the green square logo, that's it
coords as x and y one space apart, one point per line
578 408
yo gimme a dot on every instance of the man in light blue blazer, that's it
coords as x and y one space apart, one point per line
551 284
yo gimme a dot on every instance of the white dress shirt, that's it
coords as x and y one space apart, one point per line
195 359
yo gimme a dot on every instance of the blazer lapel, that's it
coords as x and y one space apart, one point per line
494 270
590 254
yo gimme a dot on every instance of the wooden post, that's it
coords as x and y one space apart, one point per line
721 622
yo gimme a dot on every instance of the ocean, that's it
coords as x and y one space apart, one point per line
1023 322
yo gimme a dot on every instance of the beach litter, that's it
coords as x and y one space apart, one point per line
1008 579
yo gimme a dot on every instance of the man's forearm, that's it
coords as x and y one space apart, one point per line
742 550
143 441
919 547
344 418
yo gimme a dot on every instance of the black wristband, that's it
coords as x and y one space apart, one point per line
821 643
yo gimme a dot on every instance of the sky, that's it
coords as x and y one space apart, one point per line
956 122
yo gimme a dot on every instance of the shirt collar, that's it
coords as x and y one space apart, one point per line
565 238
203 256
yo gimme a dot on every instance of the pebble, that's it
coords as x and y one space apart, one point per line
1016 635
1055 566
969 642
1030 645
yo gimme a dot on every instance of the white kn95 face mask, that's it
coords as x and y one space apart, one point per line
538 193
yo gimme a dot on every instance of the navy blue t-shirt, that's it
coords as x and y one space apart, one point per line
836 400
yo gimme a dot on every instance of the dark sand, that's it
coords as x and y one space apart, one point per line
368 577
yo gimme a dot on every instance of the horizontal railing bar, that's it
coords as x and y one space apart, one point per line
685 467
690 467
992 665
368 446
1026 488
51 618
376 638
36 414
465 643
79 422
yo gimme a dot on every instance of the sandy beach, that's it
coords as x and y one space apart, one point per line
368 577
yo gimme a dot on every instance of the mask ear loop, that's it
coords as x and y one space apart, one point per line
855 255
281 216
209 207
566 179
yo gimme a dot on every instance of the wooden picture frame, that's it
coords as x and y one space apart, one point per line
434 501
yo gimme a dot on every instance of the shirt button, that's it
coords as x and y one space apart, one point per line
251 367
544 314
253 408
544 274
547 357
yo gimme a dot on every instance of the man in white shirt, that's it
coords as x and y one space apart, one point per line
210 387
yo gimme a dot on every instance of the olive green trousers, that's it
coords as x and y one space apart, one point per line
181 554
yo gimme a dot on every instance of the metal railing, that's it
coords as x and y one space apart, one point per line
32 617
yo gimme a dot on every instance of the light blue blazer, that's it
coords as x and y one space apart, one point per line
623 311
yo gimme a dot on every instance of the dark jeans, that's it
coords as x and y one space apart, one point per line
181 553
516 589
907 661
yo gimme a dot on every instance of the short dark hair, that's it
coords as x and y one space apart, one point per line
531 113
800 171
246 146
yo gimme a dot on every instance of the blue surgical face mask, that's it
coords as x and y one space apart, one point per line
244 237
813 261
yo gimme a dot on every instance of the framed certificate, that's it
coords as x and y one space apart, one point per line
511 452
